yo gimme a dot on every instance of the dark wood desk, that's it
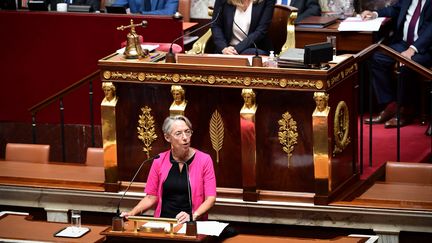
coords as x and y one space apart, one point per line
346 41
394 196
20 227
52 175
399 195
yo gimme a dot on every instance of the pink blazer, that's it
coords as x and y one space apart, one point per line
201 175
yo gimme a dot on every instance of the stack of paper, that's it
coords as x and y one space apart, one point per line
214 228
357 24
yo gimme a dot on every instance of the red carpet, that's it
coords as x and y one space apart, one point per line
415 146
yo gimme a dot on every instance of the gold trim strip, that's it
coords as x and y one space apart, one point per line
214 80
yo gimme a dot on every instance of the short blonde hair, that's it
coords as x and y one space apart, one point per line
167 124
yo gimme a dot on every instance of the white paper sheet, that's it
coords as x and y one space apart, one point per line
148 47
214 228
72 232
357 24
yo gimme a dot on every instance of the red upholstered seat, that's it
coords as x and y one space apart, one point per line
95 157
27 152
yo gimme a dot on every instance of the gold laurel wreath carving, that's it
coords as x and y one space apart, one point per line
216 133
146 129
341 128
287 134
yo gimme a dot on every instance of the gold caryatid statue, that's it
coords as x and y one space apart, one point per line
321 100
249 106
179 104
109 90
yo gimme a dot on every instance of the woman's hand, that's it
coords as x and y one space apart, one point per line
182 217
229 50
366 15
125 214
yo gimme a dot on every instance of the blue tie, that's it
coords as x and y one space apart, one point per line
284 2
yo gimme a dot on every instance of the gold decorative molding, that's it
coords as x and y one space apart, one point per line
341 75
213 79
146 129
287 134
216 133
341 128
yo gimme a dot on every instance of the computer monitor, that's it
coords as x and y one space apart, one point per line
37 5
115 9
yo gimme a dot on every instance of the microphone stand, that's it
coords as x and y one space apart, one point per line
257 59
117 221
170 56
191 226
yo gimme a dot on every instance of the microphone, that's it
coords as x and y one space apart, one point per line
191 226
170 56
116 219
256 60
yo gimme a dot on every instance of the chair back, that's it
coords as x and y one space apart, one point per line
38 153
95 157
408 172
282 29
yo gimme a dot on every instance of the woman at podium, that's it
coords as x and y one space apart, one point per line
181 182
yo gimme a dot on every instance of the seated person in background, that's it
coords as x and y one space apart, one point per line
305 8
237 16
94 4
413 39
178 171
149 7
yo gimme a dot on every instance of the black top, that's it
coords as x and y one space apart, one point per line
175 190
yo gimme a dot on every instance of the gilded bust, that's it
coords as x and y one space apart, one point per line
179 103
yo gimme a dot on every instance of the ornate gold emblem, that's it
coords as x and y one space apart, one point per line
287 134
341 128
176 78
146 129
216 133
107 75
141 76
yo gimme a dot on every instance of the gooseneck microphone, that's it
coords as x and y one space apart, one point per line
170 56
133 178
256 60
191 226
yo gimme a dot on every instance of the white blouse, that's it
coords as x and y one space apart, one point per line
243 20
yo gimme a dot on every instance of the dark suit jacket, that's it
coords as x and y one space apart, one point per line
262 14
95 4
306 8
399 11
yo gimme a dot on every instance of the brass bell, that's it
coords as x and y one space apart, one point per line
133 48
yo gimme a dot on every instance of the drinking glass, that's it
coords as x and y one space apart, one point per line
332 39
76 218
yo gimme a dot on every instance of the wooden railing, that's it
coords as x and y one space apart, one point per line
361 58
59 97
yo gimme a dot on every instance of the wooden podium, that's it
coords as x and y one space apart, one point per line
131 234
297 142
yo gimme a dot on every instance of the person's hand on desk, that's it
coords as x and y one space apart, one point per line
367 15
182 217
125 215
229 50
